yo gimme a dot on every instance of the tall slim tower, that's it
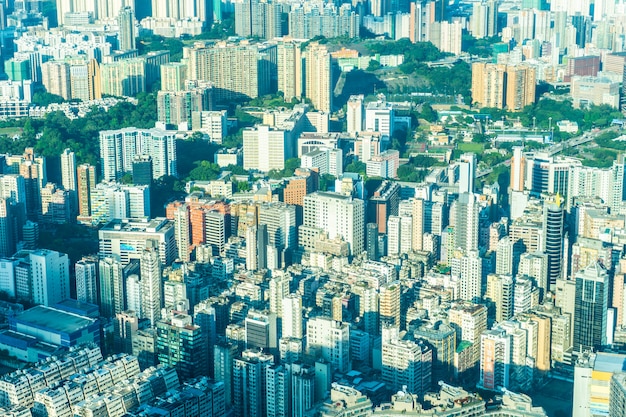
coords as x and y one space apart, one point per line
553 219
7 241
292 316
517 169
126 23
151 282
112 295
68 178
355 113
467 165
86 280
466 227
86 181
590 308
319 88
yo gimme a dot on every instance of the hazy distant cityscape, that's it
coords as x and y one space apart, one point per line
272 208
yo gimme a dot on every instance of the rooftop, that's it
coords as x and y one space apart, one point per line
53 319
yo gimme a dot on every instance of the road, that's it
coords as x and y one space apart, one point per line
556 148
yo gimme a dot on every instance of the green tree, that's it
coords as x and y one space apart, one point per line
356 166
204 171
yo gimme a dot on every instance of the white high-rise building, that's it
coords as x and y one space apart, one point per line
355 113
68 170
329 339
535 265
133 294
50 272
292 316
467 172
466 222
7 276
471 273
338 215
379 117
86 281
151 282
406 365
504 256
118 149
111 279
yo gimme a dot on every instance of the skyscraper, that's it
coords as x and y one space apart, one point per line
86 280
319 77
68 178
182 345
553 220
249 381
466 227
290 65
7 235
151 282
292 316
590 309
329 339
495 359
338 215
86 176
112 296
467 172
50 276
405 363
126 23
355 114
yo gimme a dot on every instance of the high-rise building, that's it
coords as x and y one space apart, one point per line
337 215
518 164
329 339
126 23
466 226
355 114
384 203
86 181
503 86
180 10
178 107
118 149
495 359
237 71
261 332
292 316
469 321
405 363
7 229
484 21
47 274
470 276
151 282
499 295
593 384
467 172
259 19
442 338
182 345
319 77
249 382
126 77
617 397
112 288
56 78
86 280
590 310
553 223
68 177
173 76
